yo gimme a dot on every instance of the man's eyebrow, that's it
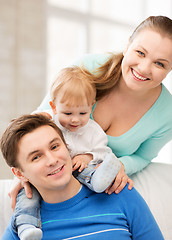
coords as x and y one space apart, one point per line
32 153
37 151
55 139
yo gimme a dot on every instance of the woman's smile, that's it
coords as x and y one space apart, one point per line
137 76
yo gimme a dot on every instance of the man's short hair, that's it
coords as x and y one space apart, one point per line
18 128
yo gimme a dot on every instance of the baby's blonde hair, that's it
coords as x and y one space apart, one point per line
74 85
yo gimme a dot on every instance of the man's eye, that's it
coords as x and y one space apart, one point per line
54 147
36 157
160 64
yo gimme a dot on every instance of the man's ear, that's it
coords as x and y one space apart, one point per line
18 173
53 107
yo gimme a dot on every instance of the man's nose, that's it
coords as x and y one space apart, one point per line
51 159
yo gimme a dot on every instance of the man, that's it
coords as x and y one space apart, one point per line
35 149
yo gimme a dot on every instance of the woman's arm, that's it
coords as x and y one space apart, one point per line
147 151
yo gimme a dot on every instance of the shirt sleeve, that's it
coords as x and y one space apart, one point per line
147 151
142 224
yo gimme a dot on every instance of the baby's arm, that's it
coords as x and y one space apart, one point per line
17 185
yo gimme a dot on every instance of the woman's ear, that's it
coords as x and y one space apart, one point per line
126 49
18 173
53 107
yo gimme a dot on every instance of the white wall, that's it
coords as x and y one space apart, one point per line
22 61
39 37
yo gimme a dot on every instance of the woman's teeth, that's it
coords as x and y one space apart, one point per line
138 76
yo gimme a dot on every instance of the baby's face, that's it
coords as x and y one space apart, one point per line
73 117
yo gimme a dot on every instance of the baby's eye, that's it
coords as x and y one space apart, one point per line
67 113
160 64
82 113
140 53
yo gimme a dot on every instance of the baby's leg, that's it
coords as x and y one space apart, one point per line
105 173
26 219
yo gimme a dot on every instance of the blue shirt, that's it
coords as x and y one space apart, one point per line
93 216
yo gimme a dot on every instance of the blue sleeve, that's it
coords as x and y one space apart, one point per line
141 222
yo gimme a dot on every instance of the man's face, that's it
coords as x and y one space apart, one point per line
45 160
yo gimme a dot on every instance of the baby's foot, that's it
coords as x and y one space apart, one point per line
31 234
105 173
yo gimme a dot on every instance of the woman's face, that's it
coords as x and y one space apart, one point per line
147 60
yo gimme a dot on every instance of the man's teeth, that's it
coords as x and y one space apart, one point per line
57 171
138 76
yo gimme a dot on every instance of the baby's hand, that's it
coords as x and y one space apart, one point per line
81 161
120 182
15 188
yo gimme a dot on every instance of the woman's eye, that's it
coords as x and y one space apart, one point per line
160 64
140 53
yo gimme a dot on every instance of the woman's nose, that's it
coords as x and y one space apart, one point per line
145 68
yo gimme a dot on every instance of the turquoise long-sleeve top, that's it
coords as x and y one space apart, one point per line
139 145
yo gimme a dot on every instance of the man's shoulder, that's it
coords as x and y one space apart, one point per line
9 234
123 197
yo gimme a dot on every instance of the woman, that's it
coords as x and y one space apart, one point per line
133 106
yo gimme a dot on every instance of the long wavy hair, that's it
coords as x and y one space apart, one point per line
107 75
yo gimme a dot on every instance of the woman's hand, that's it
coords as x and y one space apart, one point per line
121 180
15 188
81 161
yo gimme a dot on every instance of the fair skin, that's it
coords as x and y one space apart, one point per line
73 118
147 61
45 162
79 116
143 57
